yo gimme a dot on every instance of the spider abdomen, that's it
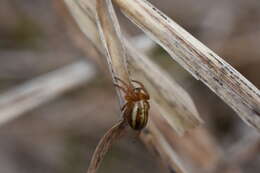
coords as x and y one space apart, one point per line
139 115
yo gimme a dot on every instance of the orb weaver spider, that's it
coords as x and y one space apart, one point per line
136 108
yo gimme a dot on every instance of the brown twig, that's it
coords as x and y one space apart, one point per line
105 144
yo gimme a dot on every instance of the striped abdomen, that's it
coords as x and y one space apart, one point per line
138 116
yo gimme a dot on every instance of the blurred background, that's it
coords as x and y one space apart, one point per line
60 135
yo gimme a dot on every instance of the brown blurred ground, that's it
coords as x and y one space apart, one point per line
61 135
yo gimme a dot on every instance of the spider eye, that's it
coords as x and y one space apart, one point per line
138 90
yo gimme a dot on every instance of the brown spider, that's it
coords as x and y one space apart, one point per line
136 108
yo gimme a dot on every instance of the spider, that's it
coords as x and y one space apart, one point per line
136 108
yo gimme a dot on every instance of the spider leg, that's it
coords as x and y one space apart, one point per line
124 106
147 104
135 81
120 87
120 80
128 88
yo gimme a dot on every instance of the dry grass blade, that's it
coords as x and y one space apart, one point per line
198 148
243 149
105 144
155 141
173 102
167 154
42 89
200 61
85 18
112 40
165 93
109 32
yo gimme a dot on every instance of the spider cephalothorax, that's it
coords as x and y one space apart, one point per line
136 108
